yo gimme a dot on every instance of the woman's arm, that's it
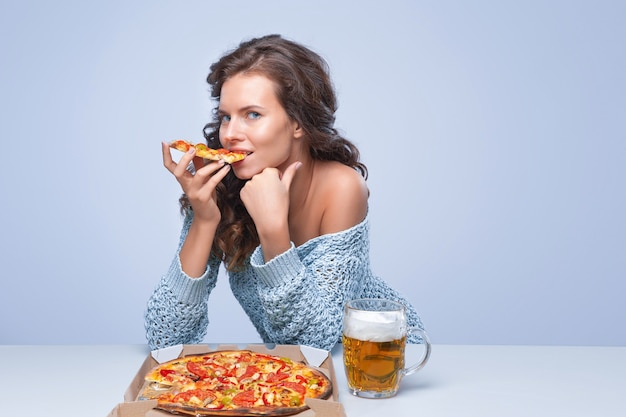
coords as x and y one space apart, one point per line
177 309
196 249
199 186
300 301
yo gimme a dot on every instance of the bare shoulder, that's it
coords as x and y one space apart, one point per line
344 194
339 179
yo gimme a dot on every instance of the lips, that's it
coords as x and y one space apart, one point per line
247 153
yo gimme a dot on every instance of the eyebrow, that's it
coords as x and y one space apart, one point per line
243 109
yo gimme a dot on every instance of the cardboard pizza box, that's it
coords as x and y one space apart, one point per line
320 359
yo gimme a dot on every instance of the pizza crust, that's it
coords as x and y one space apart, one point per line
240 412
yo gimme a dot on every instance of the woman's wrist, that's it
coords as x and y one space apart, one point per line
274 242
195 252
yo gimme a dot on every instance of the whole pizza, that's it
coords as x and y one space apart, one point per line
234 383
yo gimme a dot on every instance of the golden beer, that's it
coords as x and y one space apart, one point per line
374 339
374 367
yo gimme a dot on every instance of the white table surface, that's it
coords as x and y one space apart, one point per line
458 381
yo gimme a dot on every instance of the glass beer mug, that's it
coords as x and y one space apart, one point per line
374 340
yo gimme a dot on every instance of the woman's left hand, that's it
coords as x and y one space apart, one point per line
266 195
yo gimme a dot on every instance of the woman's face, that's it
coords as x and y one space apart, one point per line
254 121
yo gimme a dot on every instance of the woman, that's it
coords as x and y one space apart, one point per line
289 221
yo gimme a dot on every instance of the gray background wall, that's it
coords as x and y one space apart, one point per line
502 221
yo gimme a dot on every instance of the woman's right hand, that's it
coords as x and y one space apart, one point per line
199 187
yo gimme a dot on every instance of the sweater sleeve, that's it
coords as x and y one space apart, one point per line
302 302
380 289
176 312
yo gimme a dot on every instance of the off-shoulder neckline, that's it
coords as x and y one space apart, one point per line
327 236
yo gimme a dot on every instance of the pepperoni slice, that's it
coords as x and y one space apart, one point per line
197 369
202 395
294 386
276 377
249 372
244 399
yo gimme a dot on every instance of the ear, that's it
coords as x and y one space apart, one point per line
298 132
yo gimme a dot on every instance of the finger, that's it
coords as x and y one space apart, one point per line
168 162
209 169
220 174
211 178
183 163
289 173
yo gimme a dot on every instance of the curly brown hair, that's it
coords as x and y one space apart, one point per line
305 90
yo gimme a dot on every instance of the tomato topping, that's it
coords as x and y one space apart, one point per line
166 372
294 386
196 369
202 395
218 369
244 399
181 145
302 379
272 377
250 371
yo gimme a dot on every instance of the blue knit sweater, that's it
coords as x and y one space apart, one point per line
295 298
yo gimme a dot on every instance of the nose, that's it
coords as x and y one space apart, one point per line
230 132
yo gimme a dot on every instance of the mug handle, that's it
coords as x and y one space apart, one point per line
412 369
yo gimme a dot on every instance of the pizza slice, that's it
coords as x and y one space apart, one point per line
205 152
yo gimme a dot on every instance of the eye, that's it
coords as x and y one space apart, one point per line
224 118
253 115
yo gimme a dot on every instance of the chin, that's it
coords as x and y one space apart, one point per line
243 174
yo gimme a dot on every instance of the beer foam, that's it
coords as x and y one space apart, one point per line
374 326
